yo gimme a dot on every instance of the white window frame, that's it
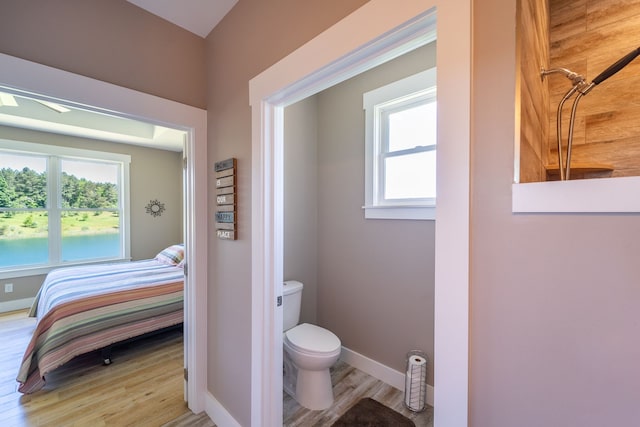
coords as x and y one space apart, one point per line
54 202
415 88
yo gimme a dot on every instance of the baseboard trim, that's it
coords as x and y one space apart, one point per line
16 304
378 370
222 418
218 414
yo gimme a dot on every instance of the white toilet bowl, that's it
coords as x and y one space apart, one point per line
309 352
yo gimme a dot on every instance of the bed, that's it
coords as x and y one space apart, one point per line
87 308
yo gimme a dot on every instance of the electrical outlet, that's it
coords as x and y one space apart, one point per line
8 287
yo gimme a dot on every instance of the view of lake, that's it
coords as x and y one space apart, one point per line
32 251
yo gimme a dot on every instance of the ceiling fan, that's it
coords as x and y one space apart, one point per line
8 100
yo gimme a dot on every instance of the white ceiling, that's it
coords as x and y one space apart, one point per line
196 16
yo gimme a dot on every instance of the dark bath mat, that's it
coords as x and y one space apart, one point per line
371 413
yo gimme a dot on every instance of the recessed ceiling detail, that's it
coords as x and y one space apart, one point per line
35 114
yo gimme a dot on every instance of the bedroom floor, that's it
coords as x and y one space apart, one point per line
142 387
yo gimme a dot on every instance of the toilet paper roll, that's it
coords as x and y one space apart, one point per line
415 383
417 361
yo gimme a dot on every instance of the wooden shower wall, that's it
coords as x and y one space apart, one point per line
585 36
532 54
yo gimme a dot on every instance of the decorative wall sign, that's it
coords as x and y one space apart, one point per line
155 208
226 215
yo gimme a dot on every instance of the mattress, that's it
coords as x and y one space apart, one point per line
82 309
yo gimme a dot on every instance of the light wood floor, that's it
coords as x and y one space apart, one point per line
143 386
349 386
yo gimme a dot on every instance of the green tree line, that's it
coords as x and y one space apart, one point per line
27 188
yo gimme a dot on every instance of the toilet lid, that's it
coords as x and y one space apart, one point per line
312 338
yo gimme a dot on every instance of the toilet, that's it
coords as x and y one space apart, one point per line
309 352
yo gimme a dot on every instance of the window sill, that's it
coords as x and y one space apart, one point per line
42 270
400 212
598 195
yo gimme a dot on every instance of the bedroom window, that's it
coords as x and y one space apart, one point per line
61 206
400 156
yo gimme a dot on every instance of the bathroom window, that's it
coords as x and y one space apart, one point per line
401 141
60 206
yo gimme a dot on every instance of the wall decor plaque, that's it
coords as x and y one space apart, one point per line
226 215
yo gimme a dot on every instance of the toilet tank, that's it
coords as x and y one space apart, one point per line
291 301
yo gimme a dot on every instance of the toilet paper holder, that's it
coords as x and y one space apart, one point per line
415 390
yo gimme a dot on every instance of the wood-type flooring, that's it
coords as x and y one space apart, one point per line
349 386
144 387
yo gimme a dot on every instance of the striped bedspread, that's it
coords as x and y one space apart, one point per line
81 309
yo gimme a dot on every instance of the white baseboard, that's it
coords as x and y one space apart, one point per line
379 371
222 418
218 414
16 304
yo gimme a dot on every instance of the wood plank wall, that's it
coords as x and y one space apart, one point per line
532 55
586 36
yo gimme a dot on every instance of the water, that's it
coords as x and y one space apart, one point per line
22 252
18 252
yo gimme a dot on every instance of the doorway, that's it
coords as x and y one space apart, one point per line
48 84
337 54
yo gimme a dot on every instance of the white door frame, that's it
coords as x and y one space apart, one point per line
51 84
378 31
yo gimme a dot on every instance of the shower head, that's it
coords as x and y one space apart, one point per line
611 70
619 65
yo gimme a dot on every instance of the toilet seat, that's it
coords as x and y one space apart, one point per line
312 339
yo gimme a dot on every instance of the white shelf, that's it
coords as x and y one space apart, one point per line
600 195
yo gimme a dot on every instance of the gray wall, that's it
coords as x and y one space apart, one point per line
301 201
110 40
554 298
154 174
374 279
252 37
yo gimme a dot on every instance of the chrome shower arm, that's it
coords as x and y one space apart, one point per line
576 79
